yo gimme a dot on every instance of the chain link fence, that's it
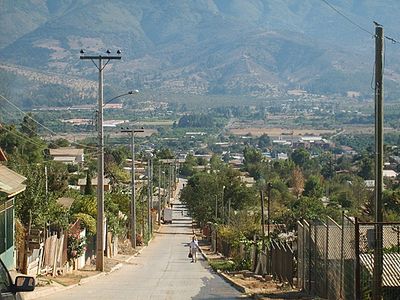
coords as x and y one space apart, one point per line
326 258
337 261
387 264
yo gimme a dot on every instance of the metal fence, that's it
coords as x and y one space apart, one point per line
337 261
326 258
278 259
387 264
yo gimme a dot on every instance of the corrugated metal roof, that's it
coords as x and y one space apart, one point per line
65 151
391 268
11 182
65 158
82 181
65 201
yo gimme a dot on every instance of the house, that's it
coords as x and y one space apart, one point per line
68 155
247 180
316 141
389 173
82 184
11 184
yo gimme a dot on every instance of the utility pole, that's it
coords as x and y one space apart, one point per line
47 181
100 241
216 208
223 205
262 218
169 182
269 188
159 194
164 184
133 186
378 247
149 196
229 210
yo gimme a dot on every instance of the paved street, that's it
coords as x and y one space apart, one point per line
161 271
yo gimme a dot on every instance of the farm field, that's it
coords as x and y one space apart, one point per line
277 131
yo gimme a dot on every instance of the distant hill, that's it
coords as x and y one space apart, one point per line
252 47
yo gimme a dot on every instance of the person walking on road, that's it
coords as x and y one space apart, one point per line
194 245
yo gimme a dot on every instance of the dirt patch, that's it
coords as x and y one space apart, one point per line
75 276
276 131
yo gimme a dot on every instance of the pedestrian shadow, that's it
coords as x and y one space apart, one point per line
174 232
181 226
212 289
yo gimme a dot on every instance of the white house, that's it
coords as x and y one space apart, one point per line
68 155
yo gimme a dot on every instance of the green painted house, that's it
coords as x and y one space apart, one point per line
11 184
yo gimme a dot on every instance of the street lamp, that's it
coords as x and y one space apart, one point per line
133 181
134 92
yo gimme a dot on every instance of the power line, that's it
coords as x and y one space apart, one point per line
40 124
394 41
21 136
347 18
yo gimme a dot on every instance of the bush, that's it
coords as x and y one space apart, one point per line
222 265
76 246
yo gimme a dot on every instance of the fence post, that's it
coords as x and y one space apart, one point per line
309 258
326 259
255 253
304 257
341 258
357 277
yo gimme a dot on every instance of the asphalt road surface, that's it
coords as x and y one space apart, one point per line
161 271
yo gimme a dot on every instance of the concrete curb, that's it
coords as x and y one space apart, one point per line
237 286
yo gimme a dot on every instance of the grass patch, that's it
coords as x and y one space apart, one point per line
222 265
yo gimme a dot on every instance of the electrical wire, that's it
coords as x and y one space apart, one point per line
40 124
394 41
347 18
21 136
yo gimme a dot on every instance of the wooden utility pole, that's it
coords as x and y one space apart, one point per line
133 187
378 247
159 194
100 232
262 219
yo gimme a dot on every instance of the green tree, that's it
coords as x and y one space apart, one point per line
187 166
300 156
165 153
366 168
297 181
29 126
252 162
88 185
313 187
57 177
264 141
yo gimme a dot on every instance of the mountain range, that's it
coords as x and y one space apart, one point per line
257 48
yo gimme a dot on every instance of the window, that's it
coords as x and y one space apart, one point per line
9 227
2 232
5 282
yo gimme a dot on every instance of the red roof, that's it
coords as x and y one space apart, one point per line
2 155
